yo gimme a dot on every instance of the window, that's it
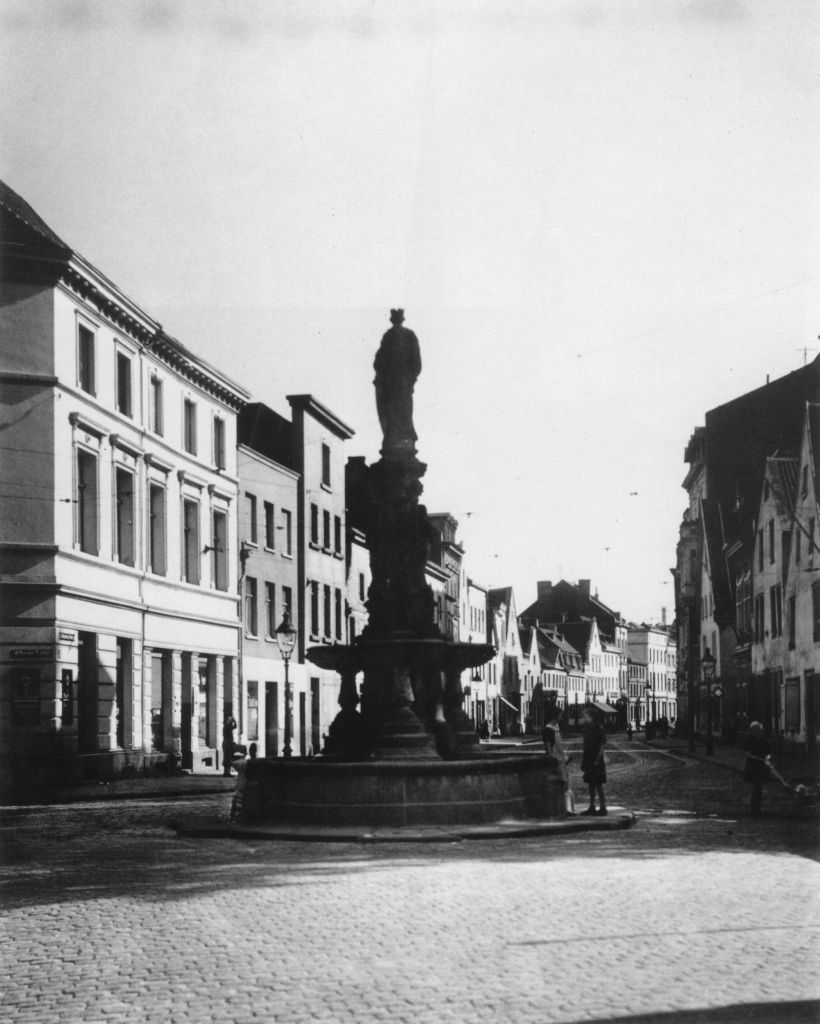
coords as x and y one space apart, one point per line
87 502
156 528
124 516
337 534
327 609
288 549
156 410
123 384
270 610
219 442
776 609
792 622
326 465
337 609
771 542
314 524
190 540
250 605
798 538
270 530
219 544
189 426
760 617
326 530
804 482
314 608
85 359
287 601
250 504
760 551
361 586
791 702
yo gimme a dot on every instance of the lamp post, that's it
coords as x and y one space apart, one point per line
707 667
285 639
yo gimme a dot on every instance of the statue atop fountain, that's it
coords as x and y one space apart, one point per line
403 752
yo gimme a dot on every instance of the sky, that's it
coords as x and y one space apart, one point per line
600 217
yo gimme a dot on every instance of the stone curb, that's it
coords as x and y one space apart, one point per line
411 834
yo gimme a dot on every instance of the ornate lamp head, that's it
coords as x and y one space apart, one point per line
397 317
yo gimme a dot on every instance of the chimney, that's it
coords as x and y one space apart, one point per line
663 616
583 587
544 588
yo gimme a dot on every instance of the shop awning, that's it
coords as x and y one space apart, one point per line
606 708
508 703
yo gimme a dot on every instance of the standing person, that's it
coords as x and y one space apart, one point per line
554 747
629 731
592 761
756 770
227 743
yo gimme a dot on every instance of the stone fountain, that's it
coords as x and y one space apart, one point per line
404 752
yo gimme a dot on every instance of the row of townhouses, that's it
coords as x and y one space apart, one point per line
158 525
747 574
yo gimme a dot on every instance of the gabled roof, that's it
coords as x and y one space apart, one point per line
567 602
554 650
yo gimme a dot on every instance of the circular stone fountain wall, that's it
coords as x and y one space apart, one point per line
481 790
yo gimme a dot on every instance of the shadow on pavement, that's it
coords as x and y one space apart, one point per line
798 1012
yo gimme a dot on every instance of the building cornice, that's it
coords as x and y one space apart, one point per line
308 404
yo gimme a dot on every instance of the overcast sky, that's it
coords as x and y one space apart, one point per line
601 218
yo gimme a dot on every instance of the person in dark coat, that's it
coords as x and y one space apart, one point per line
593 764
756 770
228 745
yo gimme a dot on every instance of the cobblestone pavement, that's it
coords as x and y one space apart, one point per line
109 916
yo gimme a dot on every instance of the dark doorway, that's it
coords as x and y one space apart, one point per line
188 697
812 700
87 693
315 730
271 719
157 721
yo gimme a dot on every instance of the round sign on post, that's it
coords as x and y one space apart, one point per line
717 692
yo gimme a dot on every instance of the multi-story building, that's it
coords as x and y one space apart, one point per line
449 555
120 638
719 549
505 667
268 501
319 458
478 690
653 661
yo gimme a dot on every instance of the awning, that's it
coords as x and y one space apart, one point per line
508 703
606 708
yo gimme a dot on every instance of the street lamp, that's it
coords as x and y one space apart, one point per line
285 639
707 667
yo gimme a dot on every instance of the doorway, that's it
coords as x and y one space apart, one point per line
87 693
271 719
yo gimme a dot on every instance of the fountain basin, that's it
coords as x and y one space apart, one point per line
475 791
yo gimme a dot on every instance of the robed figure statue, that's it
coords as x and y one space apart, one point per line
397 365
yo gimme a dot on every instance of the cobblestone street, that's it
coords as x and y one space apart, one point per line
111 916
